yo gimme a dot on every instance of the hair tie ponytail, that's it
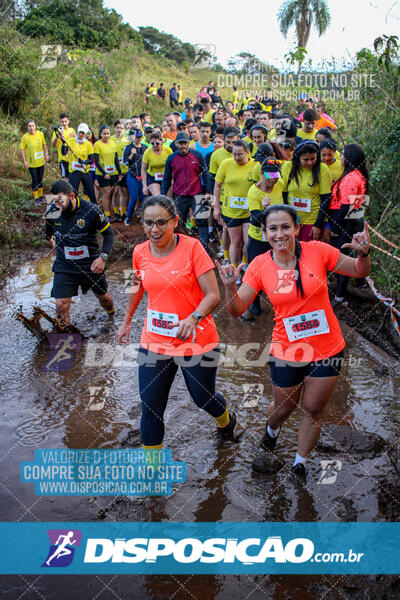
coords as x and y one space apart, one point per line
297 253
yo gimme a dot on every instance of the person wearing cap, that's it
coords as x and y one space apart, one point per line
188 110
266 192
72 229
307 187
80 156
153 165
191 188
147 130
133 154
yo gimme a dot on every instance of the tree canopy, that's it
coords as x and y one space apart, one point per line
303 14
168 45
83 23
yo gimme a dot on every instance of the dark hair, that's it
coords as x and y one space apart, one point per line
310 115
219 130
305 148
30 121
64 116
326 131
62 187
261 128
230 132
328 143
117 122
249 123
354 159
143 115
102 128
242 144
263 151
204 101
198 106
169 206
156 135
204 124
297 252
94 139
135 117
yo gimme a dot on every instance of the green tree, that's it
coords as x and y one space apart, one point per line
303 14
171 47
82 23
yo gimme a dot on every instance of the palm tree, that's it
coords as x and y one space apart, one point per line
303 14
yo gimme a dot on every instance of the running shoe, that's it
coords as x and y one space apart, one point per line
300 473
338 302
127 222
267 441
226 433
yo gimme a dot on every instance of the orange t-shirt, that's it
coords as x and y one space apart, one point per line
324 122
310 321
173 294
170 135
352 184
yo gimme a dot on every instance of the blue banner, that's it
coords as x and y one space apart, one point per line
193 548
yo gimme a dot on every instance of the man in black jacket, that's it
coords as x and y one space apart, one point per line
72 226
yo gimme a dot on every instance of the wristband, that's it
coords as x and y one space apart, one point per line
364 254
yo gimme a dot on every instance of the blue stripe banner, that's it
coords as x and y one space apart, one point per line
209 548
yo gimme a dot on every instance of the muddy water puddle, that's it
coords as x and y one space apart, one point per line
42 409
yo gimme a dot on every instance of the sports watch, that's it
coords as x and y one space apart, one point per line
104 256
197 315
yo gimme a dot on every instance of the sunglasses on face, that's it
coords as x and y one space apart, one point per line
160 223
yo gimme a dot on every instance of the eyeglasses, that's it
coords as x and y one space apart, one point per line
155 143
160 223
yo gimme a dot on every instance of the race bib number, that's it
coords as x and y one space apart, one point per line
162 323
77 166
76 253
92 167
38 155
158 176
239 203
306 325
109 169
301 204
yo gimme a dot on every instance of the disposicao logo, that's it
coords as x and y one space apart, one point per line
191 550
63 543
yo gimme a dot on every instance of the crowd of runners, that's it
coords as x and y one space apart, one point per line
262 189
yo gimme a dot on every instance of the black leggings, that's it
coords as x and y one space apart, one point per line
349 228
36 174
156 375
76 177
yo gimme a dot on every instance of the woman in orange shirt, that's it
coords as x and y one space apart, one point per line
177 274
307 343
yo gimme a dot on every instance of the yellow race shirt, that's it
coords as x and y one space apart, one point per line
303 196
67 133
235 97
255 197
216 159
307 136
120 144
237 181
271 134
81 151
156 162
106 154
208 116
34 149
335 169
180 96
